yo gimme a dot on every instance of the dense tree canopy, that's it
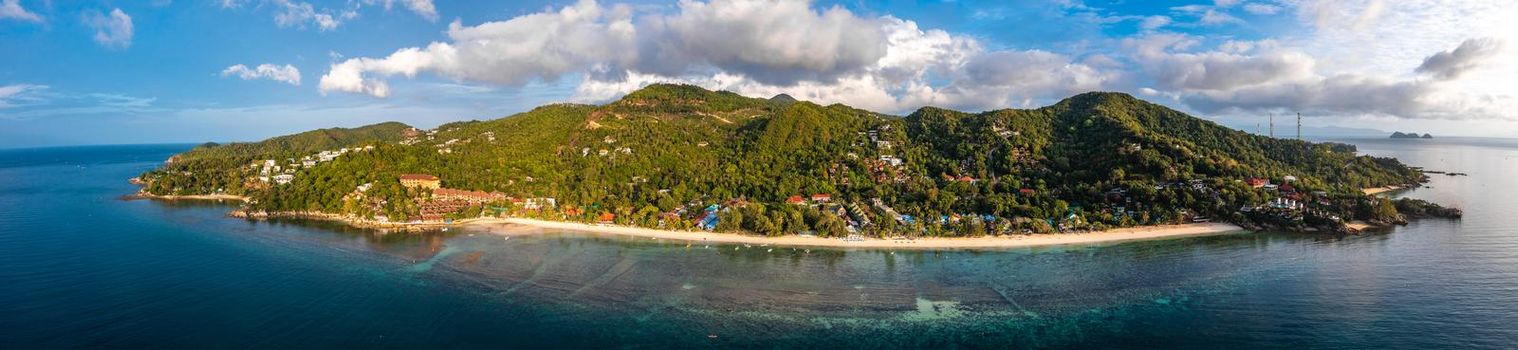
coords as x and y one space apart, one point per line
660 155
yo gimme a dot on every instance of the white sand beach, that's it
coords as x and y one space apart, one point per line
521 226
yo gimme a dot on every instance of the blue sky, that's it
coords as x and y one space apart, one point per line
107 72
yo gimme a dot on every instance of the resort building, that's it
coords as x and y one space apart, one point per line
421 181
473 197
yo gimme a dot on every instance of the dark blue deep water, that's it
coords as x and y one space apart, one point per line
81 267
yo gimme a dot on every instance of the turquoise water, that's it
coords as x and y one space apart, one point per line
80 267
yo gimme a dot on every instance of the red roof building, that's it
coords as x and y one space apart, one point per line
1256 182
467 196
822 197
795 200
607 218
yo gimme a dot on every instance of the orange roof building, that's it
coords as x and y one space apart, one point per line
421 181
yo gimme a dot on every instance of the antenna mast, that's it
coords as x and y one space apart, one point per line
1299 126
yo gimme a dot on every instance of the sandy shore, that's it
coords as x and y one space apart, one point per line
510 227
1379 190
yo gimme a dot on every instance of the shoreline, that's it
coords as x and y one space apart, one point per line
203 197
505 227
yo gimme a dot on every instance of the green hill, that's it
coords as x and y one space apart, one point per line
659 155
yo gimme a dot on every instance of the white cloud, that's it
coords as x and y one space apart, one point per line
11 9
19 94
113 30
759 47
424 8
299 14
1471 54
828 55
1154 22
537 46
775 42
1254 77
287 73
1262 9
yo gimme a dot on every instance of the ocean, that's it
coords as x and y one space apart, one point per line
80 267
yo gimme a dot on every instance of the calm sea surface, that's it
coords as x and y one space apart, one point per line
79 267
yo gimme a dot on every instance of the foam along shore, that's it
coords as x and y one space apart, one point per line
519 226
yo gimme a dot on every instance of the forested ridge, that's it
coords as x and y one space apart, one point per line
660 156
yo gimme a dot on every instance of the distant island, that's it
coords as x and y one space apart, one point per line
678 157
1410 135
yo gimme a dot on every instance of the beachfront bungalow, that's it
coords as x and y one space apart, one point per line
708 220
607 218
423 181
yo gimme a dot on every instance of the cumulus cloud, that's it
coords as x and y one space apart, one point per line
537 46
287 73
1468 56
755 47
1260 76
11 9
1016 78
775 42
113 30
1167 60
